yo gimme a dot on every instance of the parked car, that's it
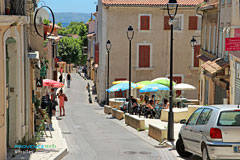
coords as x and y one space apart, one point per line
211 132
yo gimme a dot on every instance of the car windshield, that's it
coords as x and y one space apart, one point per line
229 118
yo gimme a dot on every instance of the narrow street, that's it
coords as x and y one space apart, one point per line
91 135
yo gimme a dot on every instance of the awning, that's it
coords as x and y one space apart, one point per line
33 55
55 38
215 66
203 57
209 5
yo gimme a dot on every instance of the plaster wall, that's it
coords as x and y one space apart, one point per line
116 21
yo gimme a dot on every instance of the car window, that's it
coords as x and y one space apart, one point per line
229 118
194 117
204 116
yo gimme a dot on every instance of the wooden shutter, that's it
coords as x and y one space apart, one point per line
177 80
145 23
166 23
96 54
120 93
196 53
193 23
144 56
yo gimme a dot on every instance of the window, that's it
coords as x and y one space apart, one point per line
209 38
237 70
205 36
214 40
229 118
194 117
144 22
204 117
222 1
220 42
144 55
228 1
178 22
199 27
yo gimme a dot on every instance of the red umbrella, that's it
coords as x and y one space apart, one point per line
52 83
57 85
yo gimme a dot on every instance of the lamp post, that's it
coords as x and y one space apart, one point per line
130 34
108 47
193 41
172 11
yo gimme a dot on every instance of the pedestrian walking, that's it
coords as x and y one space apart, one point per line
62 97
61 78
69 78
61 70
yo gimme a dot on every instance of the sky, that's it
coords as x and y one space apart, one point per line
80 6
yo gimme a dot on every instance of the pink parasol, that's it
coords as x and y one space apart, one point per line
52 83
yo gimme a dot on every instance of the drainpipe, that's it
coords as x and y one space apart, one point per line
218 26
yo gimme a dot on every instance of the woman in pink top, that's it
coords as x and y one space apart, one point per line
61 98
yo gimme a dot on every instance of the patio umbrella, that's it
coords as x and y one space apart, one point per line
57 85
52 83
154 88
118 82
184 86
163 80
121 87
141 84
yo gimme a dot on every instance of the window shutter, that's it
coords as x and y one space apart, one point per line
145 23
96 54
166 23
196 53
144 56
193 23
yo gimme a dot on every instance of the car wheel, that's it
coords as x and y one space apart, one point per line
205 155
181 149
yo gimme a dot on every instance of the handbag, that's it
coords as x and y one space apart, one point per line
65 98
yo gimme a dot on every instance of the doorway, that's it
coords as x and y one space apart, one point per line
11 90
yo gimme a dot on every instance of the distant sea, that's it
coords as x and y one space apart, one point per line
66 18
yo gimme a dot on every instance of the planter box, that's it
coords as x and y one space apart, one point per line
135 122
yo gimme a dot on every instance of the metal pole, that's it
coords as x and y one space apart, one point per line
170 113
108 81
130 55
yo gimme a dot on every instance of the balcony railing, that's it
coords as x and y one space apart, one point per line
15 7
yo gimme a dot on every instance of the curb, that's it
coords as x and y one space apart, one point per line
63 152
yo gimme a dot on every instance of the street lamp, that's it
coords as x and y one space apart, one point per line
108 47
130 34
193 42
172 7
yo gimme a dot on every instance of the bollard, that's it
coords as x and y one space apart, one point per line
90 98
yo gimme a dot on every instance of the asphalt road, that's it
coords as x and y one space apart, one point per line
92 136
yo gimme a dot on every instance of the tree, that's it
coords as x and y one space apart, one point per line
70 49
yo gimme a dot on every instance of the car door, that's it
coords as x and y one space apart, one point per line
187 136
197 130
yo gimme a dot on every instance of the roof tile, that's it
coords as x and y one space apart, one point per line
150 2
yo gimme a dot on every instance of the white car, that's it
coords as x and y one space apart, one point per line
212 132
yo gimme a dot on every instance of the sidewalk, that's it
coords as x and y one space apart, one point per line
55 153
